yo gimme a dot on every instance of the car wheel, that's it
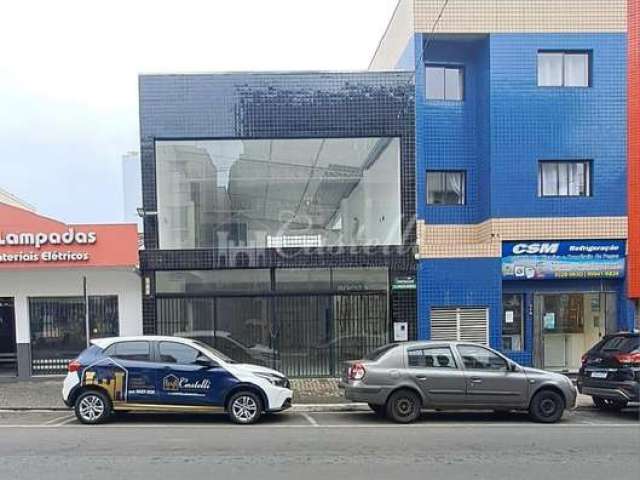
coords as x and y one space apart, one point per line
379 410
607 404
547 406
92 407
245 408
404 406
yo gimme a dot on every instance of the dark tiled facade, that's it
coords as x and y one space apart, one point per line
279 106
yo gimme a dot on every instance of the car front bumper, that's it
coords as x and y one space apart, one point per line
279 399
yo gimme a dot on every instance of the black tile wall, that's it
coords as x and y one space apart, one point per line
276 105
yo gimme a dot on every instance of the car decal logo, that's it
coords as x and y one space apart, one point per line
173 383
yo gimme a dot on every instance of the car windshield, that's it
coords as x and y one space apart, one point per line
215 352
379 352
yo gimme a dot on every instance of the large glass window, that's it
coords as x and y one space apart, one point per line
278 193
564 179
58 328
563 69
213 281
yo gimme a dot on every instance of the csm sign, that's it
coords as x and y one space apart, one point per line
574 259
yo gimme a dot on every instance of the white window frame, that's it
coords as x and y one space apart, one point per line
459 69
587 165
563 71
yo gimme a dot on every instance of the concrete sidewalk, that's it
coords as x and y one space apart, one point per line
309 395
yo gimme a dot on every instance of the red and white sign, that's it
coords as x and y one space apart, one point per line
29 240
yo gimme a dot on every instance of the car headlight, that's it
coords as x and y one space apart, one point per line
276 380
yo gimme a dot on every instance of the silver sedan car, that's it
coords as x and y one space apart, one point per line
400 379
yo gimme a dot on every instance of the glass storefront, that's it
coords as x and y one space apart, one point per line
568 324
306 323
278 193
58 328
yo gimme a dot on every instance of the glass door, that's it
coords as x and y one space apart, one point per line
568 324
8 356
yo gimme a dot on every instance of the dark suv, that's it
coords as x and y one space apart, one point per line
610 371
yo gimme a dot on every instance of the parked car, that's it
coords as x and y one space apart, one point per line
610 371
399 380
169 374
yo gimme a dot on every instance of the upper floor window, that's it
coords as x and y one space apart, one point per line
563 69
445 83
564 179
446 188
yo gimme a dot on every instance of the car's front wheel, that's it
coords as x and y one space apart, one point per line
93 407
244 407
547 406
404 406
607 404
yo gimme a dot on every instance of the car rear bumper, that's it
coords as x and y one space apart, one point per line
628 391
365 393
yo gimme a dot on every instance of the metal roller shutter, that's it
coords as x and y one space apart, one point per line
460 324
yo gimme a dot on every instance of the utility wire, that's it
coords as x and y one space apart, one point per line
420 60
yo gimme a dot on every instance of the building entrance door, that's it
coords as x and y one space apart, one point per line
566 325
8 353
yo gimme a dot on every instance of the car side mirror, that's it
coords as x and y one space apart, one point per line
512 367
205 361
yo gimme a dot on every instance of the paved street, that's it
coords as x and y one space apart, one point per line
463 445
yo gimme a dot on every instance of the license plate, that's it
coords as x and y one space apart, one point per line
598 374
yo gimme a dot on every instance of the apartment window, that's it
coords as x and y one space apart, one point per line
564 179
445 83
446 187
563 69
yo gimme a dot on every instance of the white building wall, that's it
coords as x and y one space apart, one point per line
125 283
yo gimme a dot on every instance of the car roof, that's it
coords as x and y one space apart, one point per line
105 342
433 343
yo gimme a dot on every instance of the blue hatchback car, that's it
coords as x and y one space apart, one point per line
169 374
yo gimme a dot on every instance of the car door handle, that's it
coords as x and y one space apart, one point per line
421 377
476 380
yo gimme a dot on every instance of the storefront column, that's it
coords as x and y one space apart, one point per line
23 337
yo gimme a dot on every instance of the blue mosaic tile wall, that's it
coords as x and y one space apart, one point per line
529 123
466 282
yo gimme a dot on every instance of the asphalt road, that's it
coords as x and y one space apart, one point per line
585 445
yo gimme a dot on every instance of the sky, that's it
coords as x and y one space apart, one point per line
68 78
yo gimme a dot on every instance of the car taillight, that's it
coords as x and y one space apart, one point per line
583 360
74 366
357 371
628 358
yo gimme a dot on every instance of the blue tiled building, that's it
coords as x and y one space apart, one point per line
520 171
